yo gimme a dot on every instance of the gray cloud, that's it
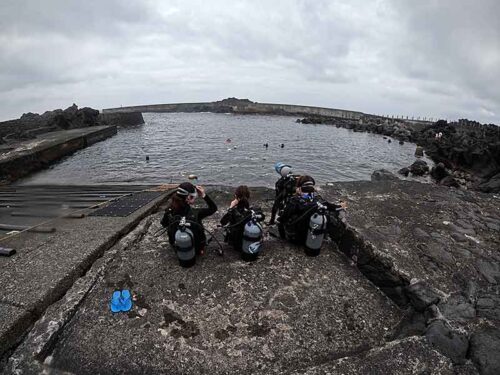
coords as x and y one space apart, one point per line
428 58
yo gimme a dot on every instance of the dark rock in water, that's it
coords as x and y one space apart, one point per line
419 151
492 185
439 172
450 181
383 175
450 343
389 141
484 349
421 295
404 171
419 168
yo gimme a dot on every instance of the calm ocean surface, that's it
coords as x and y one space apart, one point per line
179 144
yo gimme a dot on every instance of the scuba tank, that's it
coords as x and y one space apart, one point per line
184 244
316 231
252 238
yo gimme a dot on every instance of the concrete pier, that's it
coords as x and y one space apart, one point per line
29 156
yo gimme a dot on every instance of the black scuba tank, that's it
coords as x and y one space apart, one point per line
184 244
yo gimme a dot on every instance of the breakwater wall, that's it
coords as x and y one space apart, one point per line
121 118
35 155
240 107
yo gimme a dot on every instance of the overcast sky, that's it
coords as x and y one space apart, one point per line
433 58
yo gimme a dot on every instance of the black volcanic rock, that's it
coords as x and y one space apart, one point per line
383 174
31 124
449 342
404 171
439 172
450 181
492 185
419 168
421 295
484 349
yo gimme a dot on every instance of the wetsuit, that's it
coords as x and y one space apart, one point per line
284 188
294 222
193 215
236 218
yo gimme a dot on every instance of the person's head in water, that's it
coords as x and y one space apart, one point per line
242 195
305 185
185 195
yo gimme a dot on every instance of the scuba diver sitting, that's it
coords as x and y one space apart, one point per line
306 217
184 224
284 189
241 222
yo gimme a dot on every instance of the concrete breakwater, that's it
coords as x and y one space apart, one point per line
122 119
239 106
30 156
34 141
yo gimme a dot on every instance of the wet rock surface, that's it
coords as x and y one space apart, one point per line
422 298
224 315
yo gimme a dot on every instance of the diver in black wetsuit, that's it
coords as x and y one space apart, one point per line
180 206
284 189
237 216
294 221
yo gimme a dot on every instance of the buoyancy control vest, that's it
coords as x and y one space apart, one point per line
284 189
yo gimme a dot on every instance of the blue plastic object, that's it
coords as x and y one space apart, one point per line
126 300
115 303
121 301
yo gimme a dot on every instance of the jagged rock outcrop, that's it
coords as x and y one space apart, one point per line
31 124
465 147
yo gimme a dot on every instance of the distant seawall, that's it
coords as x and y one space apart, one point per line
241 107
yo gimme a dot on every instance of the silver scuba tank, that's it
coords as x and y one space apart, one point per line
252 238
316 232
184 245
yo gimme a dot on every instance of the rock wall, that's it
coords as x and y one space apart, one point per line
32 124
121 118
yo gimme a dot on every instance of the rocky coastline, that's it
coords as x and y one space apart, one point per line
29 125
466 152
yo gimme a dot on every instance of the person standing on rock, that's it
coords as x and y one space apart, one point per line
179 207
